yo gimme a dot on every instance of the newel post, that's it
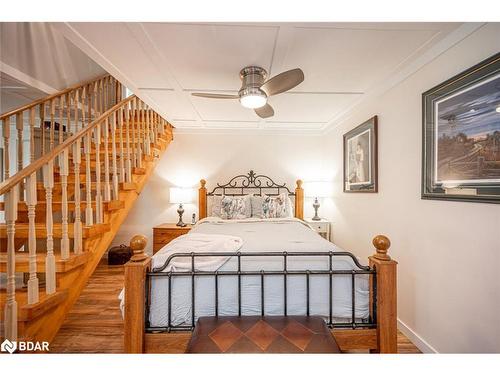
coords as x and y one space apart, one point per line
386 297
299 200
135 295
202 200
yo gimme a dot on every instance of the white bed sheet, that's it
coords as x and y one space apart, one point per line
261 235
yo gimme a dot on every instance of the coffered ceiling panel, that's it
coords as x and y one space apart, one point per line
223 109
350 59
296 107
163 63
178 106
208 57
124 52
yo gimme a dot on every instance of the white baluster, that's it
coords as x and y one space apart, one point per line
61 127
77 231
50 260
32 135
155 126
64 172
98 197
89 219
19 128
107 186
133 121
122 160
6 153
128 162
113 152
31 201
10 322
140 135
147 137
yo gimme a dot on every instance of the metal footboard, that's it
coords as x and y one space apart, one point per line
195 274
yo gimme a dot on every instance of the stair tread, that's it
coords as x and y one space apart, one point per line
56 205
41 230
62 265
27 312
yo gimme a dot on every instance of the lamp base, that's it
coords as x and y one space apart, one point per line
316 206
180 211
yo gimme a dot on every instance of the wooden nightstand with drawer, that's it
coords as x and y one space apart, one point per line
321 226
164 233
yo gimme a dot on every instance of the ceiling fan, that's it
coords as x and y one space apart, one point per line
255 90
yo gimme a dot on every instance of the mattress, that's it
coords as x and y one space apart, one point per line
261 235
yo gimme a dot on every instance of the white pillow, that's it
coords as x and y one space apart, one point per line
266 207
229 207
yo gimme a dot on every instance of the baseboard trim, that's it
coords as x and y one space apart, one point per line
418 341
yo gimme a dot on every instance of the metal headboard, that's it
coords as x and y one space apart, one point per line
250 183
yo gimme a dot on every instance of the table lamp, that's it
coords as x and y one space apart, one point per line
317 189
180 196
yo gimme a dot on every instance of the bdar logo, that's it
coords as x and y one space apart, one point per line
8 346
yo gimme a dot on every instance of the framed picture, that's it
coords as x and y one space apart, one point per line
461 136
360 158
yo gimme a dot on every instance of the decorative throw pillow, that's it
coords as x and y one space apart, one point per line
235 207
268 207
215 205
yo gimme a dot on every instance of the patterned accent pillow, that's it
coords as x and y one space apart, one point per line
268 207
234 207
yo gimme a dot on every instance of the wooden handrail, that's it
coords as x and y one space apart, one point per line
12 181
50 97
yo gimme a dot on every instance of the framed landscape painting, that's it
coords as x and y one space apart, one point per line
360 158
461 136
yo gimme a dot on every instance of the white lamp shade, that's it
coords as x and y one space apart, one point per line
181 195
318 189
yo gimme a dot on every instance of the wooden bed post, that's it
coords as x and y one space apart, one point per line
386 295
299 201
202 200
135 298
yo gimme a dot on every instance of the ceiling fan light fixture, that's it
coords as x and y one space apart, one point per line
252 97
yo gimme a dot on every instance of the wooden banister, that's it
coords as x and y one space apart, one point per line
50 97
386 300
40 162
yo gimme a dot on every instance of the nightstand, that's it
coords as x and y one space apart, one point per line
321 226
164 233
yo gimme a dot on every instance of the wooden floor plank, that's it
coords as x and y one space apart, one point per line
95 325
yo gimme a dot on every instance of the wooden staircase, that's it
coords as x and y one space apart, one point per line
61 210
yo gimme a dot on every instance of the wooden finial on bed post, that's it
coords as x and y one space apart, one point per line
386 299
299 200
135 295
202 200
381 243
137 245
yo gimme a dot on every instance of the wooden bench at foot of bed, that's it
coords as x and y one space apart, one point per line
382 339
262 334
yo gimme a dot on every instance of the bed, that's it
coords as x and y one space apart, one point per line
281 268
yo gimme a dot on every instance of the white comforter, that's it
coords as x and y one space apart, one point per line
257 235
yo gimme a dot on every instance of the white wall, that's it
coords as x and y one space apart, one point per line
448 252
217 158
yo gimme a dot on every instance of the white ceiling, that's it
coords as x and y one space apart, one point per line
342 62
37 54
14 93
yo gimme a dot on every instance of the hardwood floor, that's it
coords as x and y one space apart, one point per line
95 325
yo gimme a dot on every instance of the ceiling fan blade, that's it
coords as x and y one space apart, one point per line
214 96
283 82
265 111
